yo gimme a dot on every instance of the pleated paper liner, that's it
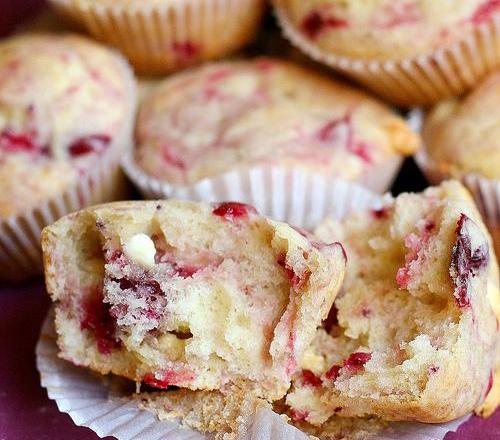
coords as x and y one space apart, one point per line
486 192
91 402
257 185
163 36
20 253
420 80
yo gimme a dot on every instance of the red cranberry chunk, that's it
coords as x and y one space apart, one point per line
90 144
314 24
186 50
97 319
433 369
21 143
233 210
466 260
333 373
380 213
356 361
152 381
309 379
164 379
185 271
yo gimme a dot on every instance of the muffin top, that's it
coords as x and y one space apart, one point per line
62 100
463 135
263 112
385 29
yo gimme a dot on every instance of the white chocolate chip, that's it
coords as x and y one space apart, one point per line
141 250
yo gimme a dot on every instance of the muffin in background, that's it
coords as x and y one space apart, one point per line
264 112
160 36
411 52
462 140
67 106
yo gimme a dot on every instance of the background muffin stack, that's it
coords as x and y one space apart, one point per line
68 123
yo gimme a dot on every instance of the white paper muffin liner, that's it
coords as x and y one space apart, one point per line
486 192
162 36
307 201
420 80
20 252
254 182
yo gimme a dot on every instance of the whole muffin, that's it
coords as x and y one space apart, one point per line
405 41
159 36
462 135
462 138
66 106
237 115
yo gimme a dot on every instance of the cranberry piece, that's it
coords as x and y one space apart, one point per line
465 261
309 379
337 409
186 50
90 144
185 271
429 226
233 210
97 319
333 373
433 369
379 214
299 416
331 320
484 11
314 24
167 378
152 381
356 361
366 312
21 143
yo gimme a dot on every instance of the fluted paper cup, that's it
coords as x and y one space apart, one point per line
420 80
378 180
163 36
20 252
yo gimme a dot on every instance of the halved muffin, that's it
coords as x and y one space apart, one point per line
188 294
413 335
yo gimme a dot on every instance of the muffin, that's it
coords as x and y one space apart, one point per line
413 335
408 51
238 115
187 294
65 118
462 140
160 36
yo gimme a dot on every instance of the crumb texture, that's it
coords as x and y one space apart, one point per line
183 294
413 335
